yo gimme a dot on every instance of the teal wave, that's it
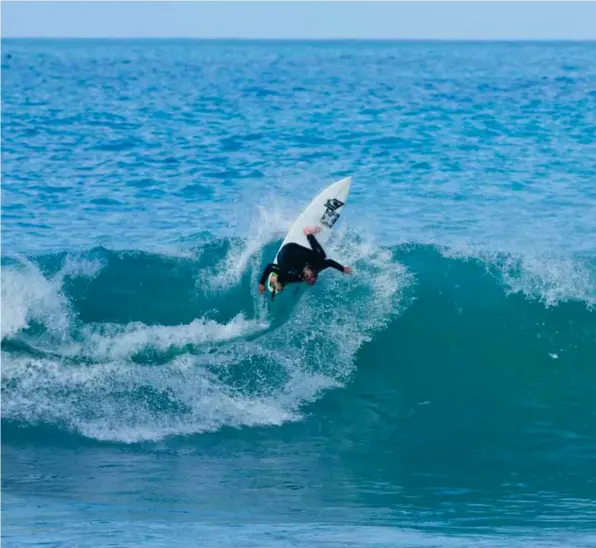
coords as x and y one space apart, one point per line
419 347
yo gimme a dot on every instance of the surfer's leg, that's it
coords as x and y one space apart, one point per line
316 246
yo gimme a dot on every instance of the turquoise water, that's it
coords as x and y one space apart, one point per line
440 396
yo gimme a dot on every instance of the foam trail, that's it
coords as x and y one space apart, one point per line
113 341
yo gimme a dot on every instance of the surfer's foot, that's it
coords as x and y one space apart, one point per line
312 230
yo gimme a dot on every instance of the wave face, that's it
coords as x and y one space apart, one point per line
132 346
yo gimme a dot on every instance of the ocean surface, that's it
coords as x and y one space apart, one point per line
442 395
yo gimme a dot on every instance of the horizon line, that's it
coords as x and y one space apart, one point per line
298 39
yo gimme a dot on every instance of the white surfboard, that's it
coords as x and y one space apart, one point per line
323 211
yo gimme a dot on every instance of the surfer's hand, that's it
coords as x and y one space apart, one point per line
261 289
347 269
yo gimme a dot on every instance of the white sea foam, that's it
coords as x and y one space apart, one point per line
549 278
28 295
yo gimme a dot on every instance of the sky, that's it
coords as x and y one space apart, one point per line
311 20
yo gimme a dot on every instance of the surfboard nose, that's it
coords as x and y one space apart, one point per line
343 185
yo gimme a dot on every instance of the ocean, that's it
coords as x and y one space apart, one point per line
442 395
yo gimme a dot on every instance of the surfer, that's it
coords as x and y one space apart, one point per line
299 264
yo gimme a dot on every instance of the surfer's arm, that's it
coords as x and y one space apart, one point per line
330 263
271 267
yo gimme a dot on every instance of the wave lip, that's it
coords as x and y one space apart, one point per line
28 295
549 278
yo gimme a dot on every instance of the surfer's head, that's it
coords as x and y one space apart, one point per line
309 275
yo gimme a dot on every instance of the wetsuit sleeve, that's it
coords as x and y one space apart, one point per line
333 264
271 267
316 246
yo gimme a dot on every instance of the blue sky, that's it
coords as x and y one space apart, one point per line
244 19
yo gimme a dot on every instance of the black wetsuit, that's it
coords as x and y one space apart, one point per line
293 258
